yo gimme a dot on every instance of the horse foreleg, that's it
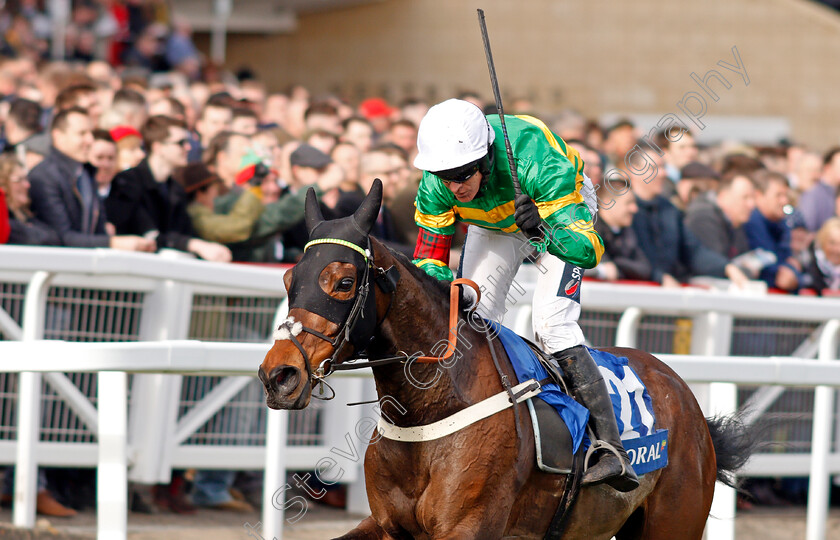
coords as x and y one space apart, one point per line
367 530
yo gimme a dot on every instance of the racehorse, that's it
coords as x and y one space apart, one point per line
350 292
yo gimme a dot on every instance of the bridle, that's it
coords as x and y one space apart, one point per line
386 280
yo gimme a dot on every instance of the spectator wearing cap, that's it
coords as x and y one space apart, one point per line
719 222
817 204
63 189
358 131
147 201
696 180
202 187
129 143
623 258
674 251
769 229
378 113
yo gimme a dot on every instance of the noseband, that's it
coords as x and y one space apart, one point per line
364 304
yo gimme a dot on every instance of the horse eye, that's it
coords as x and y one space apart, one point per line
345 284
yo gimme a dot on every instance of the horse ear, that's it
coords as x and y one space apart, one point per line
312 211
367 212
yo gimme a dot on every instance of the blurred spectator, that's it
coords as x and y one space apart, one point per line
202 188
127 109
83 96
403 133
806 172
129 143
592 163
620 138
623 258
5 228
718 222
23 227
322 115
825 265
817 204
63 189
413 110
470 96
22 122
276 110
321 139
774 158
678 153
696 180
214 119
147 201
103 156
378 113
348 157
148 50
244 121
169 106
674 252
359 132
180 52
768 229
569 125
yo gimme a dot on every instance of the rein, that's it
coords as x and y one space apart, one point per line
387 281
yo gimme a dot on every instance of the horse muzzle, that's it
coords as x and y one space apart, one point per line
281 385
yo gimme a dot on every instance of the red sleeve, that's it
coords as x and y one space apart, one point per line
4 219
432 246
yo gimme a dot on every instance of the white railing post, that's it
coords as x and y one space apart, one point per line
274 480
712 335
29 406
111 477
628 327
821 439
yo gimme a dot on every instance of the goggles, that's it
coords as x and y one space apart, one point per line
458 175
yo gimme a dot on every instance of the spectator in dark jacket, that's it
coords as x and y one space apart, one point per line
768 229
22 228
718 222
147 201
674 252
4 217
825 262
623 258
63 189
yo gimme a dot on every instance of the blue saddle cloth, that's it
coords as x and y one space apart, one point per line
630 399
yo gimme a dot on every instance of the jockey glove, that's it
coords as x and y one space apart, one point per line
527 216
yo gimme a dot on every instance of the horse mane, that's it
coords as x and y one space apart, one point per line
437 288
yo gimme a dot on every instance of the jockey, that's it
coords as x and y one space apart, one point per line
467 178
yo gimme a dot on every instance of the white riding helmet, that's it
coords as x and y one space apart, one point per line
452 134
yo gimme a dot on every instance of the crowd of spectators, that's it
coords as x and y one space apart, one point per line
134 143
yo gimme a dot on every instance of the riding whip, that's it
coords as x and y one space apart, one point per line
494 82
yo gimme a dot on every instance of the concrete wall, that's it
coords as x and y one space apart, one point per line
598 56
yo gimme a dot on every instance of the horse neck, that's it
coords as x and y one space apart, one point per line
417 323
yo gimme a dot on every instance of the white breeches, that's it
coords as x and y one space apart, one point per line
492 258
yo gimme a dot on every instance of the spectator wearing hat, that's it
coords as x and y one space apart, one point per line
696 181
817 204
719 222
768 229
147 201
202 187
129 143
623 258
378 113
63 188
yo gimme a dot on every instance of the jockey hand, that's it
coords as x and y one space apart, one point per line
527 216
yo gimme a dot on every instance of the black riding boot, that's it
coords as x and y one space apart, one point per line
587 385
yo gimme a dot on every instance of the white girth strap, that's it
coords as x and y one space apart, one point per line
460 419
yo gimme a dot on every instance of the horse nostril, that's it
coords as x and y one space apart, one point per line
284 378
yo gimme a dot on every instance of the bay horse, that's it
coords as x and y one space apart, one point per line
481 482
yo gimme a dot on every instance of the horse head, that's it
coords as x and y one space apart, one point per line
332 303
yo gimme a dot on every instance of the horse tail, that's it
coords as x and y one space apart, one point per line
734 443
